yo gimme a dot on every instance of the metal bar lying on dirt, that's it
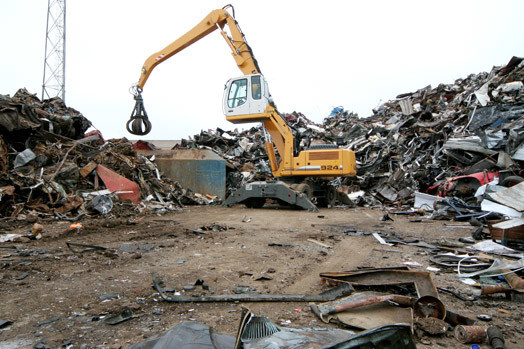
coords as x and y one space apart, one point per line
86 247
456 295
125 315
330 295
333 225
319 243
26 259
48 321
386 250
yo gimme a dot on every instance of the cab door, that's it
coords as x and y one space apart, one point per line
236 97
258 102
245 95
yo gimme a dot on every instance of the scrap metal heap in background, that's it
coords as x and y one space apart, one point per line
49 166
421 138
448 140
412 143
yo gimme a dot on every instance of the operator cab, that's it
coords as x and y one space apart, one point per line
246 99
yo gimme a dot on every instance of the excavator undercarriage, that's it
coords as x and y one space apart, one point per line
306 195
255 195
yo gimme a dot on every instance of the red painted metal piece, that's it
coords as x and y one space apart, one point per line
449 185
142 145
117 183
94 133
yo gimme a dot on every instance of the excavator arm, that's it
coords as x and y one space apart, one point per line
139 123
217 19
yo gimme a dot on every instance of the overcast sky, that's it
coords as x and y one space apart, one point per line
316 55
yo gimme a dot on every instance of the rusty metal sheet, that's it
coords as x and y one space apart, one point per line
373 315
422 280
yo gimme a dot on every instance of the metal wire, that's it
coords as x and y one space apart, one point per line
500 274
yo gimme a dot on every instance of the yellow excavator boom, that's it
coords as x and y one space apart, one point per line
217 19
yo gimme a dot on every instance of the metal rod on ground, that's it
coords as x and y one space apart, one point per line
342 290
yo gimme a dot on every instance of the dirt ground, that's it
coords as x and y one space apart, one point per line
59 298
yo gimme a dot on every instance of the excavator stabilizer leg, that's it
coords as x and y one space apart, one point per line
269 190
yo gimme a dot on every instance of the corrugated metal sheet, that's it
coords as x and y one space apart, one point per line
512 197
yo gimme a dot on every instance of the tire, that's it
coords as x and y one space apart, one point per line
331 195
322 146
255 202
304 189
511 181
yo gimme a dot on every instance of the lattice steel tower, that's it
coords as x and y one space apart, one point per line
55 43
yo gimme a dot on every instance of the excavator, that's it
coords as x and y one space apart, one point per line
301 177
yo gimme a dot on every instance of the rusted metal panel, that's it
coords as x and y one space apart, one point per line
422 280
510 230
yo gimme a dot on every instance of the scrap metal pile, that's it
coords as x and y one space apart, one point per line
412 143
50 167
421 138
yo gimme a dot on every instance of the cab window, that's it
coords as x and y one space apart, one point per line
256 87
237 93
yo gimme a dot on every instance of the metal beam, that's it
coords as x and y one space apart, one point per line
53 84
